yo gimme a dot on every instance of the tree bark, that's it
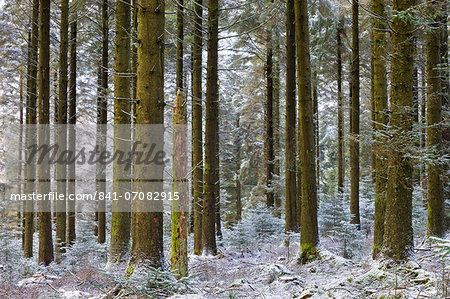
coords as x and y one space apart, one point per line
354 132
147 243
61 169
398 234
197 127
121 218
211 127
341 159
71 172
268 143
290 145
381 121
435 223
45 219
309 236
30 184
178 256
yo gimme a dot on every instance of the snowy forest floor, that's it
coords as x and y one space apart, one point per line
266 271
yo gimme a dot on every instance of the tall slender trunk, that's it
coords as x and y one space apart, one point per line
341 162
30 184
290 144
197 126
121 221
268 142
211 127
398 234
316 125
147 243
102 118
354 140
276 125
61 169
178 252
180 43
309 235
238 142
72 120
380 99
434 117
45 219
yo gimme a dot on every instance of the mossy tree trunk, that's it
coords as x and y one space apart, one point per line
211 138
102 118
121 220
276 125
268 111
290 145
197 126
43 169
380 119
147 225
71 172
61 169
354 132
434 117
178 252
398 234
309 236
31 132
340 154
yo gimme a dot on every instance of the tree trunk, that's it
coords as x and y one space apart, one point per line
180 44
398 234
341 159
276 126
290 145
380 99
268 143
45 219
238 170
316 125
178 257
434 117
211 138
71 174
61 169
30 184
147 243
309 236
354 140
197 127
102 109
121 220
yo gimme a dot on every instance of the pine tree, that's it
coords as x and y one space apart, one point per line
290 145
309 236
178 257
197 126
211 138
31 132
121 221
147 226
61 169
268 110
398 234
341 164
381 120
43 169
434 130
354 141
102 106
71 171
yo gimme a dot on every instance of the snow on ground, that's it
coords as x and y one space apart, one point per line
260 270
